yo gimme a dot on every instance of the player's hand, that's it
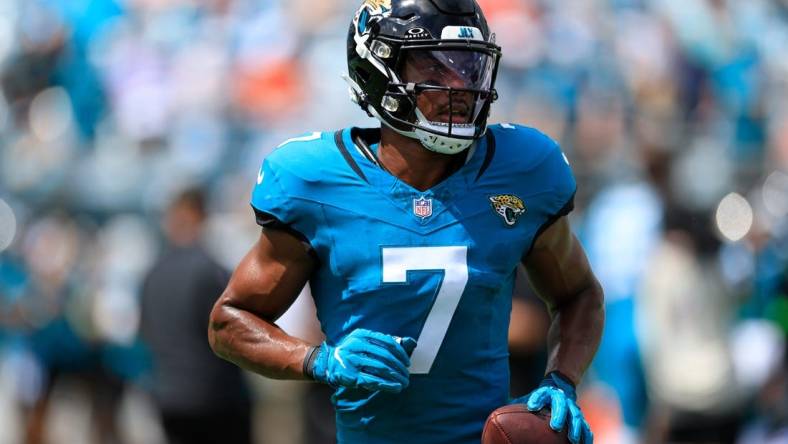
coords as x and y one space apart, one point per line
558 394
365 359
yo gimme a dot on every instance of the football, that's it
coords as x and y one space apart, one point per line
514 424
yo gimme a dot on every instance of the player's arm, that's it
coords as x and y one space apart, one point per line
263 286
559 271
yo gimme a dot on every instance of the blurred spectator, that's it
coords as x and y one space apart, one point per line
632 210
685 316
201 398
56 313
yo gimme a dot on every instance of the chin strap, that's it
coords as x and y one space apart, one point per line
442 144
439 143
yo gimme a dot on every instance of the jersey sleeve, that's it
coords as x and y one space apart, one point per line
287 194
540 166
555 174
275 207
562 181
270 201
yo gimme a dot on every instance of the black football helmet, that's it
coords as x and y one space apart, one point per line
408 55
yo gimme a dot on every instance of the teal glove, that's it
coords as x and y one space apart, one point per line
558 393
363 359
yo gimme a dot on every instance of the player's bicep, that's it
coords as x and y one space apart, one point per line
270 276
557 266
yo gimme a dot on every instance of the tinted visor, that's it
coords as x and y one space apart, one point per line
467 69
452 85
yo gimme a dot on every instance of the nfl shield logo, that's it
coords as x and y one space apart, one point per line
422 207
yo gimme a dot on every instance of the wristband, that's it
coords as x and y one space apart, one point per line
309 361
559 380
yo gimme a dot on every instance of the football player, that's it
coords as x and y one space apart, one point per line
409 236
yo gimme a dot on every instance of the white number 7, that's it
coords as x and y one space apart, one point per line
451 260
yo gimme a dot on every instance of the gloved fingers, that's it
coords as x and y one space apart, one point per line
383 352
538 399
343 379
374 383
383 355
386 342
576 422
557 410
588 435
370 374
380 369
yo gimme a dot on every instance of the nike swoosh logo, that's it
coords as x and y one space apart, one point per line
338 357
260 175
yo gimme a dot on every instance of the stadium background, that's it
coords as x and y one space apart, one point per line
673 113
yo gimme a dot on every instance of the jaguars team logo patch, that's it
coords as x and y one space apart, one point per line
422 207
508 206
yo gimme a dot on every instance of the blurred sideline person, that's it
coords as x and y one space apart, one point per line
770 424
70 354
201 399
685 316
410 235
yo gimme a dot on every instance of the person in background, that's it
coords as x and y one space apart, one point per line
685 317
49 317
201 398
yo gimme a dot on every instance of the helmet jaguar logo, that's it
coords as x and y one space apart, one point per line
370 10
378 6
509 207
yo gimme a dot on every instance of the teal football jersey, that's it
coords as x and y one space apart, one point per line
436 265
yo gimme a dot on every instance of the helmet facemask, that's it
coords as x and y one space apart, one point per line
448 92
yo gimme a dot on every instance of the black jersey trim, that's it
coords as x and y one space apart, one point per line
271 222
488 156
338 139
364 138
370 136
566 209
366 150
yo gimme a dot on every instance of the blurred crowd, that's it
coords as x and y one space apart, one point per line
673 113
